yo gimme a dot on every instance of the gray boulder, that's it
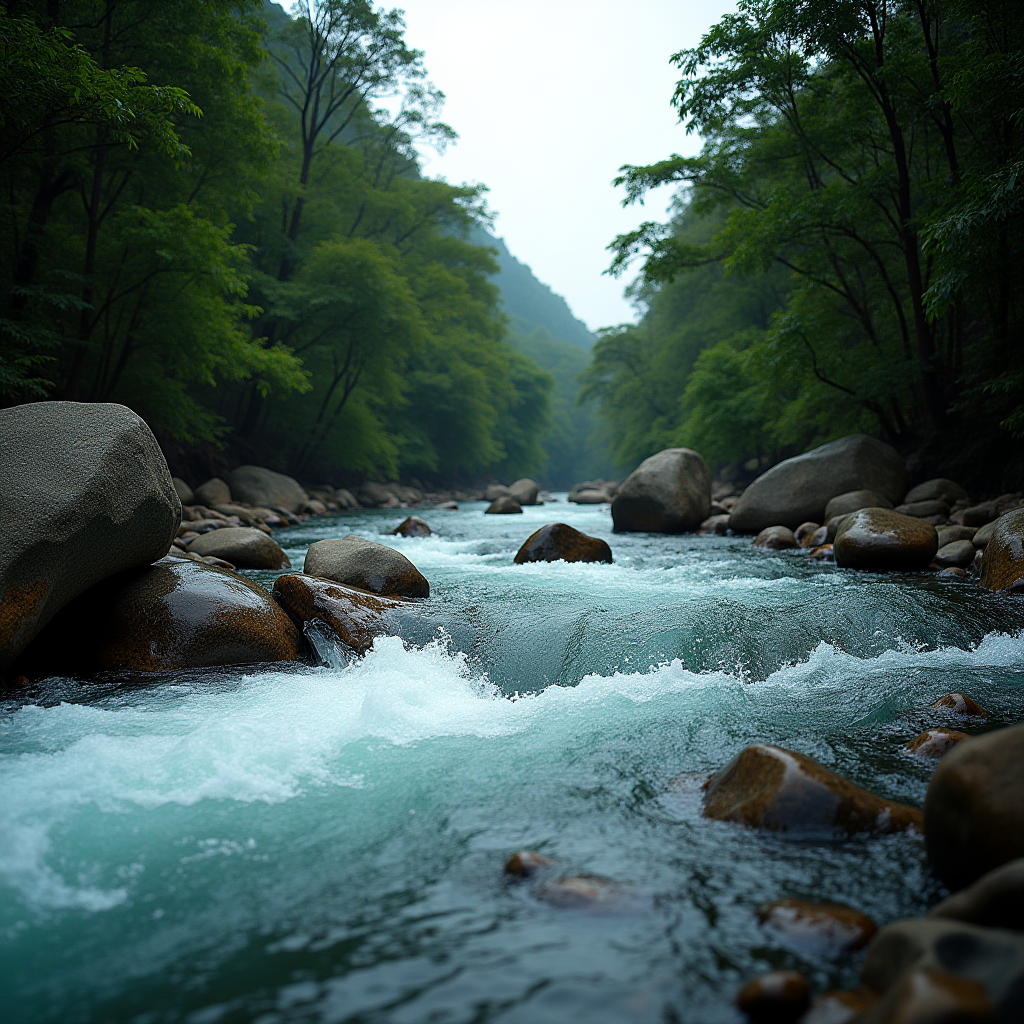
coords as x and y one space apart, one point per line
504 505
589 497
242 546
525 491
213 493
854 501
84 493
367 565
668 493
800 488
258 486
182 489
495 491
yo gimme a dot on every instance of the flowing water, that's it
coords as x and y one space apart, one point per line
326 844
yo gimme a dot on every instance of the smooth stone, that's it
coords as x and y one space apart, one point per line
974 808
258 486
935 743
492 492
1003 562
717 526
829 927
983 534
182 489
525 491
85 492
766 786
168 617
805 534
590 498
980 515
883 539
355 616
939 489
558 542
775 998
840 1006
314 507
822 553
412 526
820 537
924 509
776 538
996 900
582 892
958 704
376 495
366 565
854 501
799 489
957 555
345 499
503 506
243 546
212 493
526 864
953 572
668 493
949 534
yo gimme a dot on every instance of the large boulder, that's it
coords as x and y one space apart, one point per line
768 787
525 491
1003 563
242 546
84 493
367 565
854 501
800 488
558 542
974 809
168 617
258 486
882 539
668 493
503 505
213 493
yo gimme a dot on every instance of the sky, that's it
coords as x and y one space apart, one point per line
550 98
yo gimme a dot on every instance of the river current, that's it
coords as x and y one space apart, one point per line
326 844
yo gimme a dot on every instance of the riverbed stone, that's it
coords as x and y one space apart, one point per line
805 533
355 616
959 704
778 997
242 546
591 497
950 534
581 892
256 485
924 509
559 542
974 808
983 534
979 515
717 526
935 743
776 538
668 493
525 491
367 565
1003 562
818 927
959 554
939 489
212 493
800 488
996 900
822 553
766 786
854 501
172 616
412 526
882 539
182 489
526 864
84 493
505 505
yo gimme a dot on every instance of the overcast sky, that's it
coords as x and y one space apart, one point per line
550 98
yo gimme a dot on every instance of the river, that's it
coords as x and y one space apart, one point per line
326 844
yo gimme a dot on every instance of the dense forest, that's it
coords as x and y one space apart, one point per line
847 249
213 213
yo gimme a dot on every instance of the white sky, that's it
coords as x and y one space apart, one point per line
550 98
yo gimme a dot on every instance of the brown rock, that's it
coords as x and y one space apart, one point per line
366 565
776 538
775 998
824 553
953 573
503 506
584 891
1003 562
883 539
526 864
412 526
829 926
935 743
923 996
768 787
996 900
355 616
958 704
558 542
841 1006
805 534
242 546
716 525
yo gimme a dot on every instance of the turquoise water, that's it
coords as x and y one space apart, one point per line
326 844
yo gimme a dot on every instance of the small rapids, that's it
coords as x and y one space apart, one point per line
325 844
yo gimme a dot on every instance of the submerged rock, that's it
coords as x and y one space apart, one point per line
1003 563
526 864
776 538
560 542
854 501
668 493
775 998
820 927
366 565
84 493
882 539
958 704
996 900
935 743
242 546
503 506
213 493
413 526
581 892
258 486
768 787
974 809
168 617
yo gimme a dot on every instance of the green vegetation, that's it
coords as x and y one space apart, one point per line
211 215
847 251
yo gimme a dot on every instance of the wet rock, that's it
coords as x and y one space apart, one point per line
413 526
258 486
366 565
560 542
996 900
668 493
974 809
822 553
525 491
775 998
354 616
1003 563
983 534
799 489
503 506
213 493
776 538
819 927
182 489
953 573
168 617
526 864
243 546
854 501
840 1006
935 743
582 892
84 493
805 534
949 534
957 555
717 526
768 787
958 704
924 509
882 539
939 489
